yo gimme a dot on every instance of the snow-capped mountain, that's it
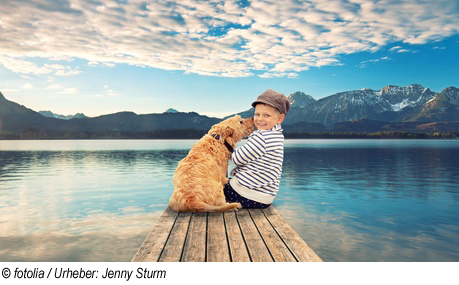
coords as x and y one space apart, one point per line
50 114
443 107
402 97
300 99
391 103
412 108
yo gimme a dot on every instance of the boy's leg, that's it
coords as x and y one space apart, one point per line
232 197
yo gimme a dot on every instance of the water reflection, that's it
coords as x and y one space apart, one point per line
374 203
350 200
95 237
398 172
81 205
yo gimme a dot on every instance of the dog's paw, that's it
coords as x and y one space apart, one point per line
238 206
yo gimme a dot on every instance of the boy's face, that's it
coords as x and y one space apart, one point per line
266 117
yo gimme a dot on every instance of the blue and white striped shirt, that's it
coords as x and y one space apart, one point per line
259 165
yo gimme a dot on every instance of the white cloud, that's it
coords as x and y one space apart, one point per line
27 86
69 90
271 74
61 89
365 63
106 64
55 86
22 66
9 90
67 72
111 92
213 38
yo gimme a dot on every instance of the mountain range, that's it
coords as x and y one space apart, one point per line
63 117
16 118
412 108
412 103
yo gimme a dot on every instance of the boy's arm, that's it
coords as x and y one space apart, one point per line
252 150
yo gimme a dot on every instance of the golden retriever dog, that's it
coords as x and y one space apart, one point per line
200 177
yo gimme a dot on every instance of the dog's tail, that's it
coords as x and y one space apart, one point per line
194 205
222 208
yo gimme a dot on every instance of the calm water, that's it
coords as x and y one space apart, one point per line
351 200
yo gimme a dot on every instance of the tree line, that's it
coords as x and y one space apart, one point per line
159 134
373 135
30 134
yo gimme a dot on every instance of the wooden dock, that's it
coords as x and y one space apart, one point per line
239 236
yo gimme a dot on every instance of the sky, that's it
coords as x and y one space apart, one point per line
215 57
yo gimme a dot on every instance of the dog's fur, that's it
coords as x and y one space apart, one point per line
200 177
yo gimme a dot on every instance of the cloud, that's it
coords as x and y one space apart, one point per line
55 86
213 38
10 90
365 63
111 92
399 49
22 66
69 90
107 237
61 89
106 64
278 74
65 71
27 86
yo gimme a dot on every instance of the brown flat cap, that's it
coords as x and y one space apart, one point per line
274 99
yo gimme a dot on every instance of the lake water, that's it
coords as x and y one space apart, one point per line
350 200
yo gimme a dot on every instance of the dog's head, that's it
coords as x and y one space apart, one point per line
232 130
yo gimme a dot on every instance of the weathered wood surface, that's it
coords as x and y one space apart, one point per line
240 236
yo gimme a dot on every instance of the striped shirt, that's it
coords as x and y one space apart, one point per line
259 165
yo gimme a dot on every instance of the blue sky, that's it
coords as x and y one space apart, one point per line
215 57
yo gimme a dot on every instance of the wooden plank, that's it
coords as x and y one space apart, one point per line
296 244
236 242
245 235
195 244
257 249
153 245
173 249
217 244
276 246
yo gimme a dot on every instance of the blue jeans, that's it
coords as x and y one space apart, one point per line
232 197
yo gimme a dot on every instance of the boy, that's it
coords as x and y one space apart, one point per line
256 178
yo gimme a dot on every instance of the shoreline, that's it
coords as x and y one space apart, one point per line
196 134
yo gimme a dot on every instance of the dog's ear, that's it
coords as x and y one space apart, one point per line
228 132
217 133
229 136
221 134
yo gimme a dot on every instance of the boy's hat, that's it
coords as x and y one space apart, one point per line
274 99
